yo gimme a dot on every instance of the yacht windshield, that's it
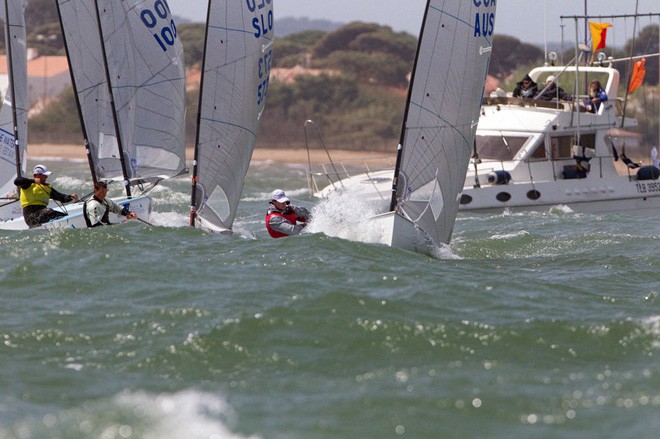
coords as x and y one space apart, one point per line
499 147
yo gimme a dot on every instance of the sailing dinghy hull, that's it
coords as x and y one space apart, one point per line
400 232
74 220
9 210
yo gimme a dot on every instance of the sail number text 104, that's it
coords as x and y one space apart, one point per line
159 20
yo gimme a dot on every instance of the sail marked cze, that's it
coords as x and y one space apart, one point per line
442 113
147 76
235 76
13 114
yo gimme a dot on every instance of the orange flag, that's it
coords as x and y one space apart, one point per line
637 77
598 34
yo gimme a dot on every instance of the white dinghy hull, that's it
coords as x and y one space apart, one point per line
74 220
400 232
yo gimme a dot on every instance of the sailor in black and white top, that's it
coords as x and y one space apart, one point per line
97 210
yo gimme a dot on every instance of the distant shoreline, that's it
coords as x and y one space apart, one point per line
280 155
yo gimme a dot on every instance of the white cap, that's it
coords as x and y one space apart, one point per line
550 79
279 196
41 169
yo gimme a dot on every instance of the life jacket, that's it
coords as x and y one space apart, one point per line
291 217
105 219
35 195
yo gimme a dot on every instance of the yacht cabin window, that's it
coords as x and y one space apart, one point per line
562 146
499 147
538 153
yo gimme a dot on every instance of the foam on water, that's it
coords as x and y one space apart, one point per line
162 194
70 182
444 251
652 326
191 414
511 235
345 215
187 414
169 219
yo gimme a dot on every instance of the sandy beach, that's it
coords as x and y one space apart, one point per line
280 155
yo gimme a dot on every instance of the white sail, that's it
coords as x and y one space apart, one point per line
146 70
443 111
234 84
13 114
80 29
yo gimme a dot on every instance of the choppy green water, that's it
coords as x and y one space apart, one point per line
531 325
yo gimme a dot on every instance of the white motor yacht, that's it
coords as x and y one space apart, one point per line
533 154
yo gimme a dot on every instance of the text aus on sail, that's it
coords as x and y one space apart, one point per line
484 22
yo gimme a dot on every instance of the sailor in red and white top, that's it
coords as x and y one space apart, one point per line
283 218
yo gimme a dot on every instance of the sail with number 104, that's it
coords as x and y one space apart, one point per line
148 87
236 68
134 127
13 114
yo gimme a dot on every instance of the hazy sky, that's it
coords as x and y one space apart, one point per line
523 19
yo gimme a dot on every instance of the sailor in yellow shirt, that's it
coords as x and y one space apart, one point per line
35 194
97 210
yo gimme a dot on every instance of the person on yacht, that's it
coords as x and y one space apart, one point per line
553 91
283 218
526 88
596 95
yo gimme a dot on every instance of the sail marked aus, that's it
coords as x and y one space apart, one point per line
166 35
484 22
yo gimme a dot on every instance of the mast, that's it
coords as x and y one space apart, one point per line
399 153
9 46
124 170
193 198
78 106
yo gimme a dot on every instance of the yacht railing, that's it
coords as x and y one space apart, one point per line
332 173
554 105
322 175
